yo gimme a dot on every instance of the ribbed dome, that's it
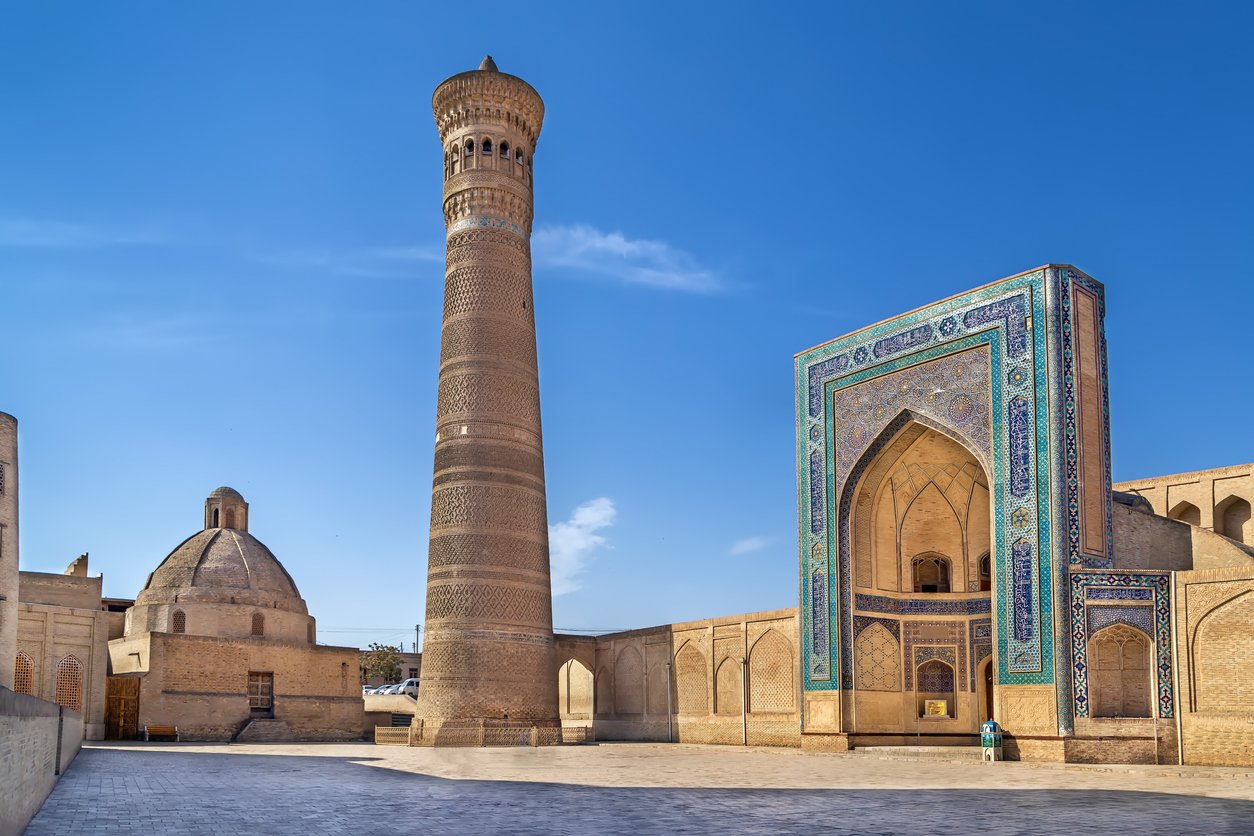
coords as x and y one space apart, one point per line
222 565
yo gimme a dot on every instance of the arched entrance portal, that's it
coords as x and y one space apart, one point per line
923 574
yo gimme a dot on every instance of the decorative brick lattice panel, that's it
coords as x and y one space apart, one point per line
259 624
70 683
178 622
878 662
488 550
692 681
499 338
488 506
482 289
1222 643
479 393
771 682
520 605
629 682
24 674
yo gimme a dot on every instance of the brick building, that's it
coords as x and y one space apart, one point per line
220 644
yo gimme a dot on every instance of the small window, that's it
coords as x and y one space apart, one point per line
505 150
487 148
24 675
986 573
215 518
518 156
931 573
259 624
70 683
178 622
470 148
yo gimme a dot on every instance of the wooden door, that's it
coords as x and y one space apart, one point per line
261 693
122 708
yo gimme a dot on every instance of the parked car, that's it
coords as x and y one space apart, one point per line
409 686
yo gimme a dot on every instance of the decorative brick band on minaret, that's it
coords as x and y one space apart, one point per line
488 654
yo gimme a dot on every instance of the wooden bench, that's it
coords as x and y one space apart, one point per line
161 731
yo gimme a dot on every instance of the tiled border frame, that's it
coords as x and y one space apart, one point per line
938 329
1160 585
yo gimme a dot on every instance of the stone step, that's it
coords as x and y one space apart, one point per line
944 753
265 731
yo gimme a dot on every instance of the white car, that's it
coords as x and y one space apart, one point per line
409 686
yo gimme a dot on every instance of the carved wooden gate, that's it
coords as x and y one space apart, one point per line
122 708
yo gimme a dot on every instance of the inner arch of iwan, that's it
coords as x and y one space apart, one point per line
919 537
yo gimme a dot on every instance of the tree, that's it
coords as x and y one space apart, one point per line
383 661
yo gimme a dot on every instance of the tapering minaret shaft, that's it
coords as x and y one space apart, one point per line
488 652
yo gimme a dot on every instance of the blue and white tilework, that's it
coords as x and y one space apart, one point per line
997 334
1138 599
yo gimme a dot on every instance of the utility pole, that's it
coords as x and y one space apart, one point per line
417 636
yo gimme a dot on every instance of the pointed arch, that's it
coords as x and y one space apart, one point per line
69 691
178 622
1120 672
1185 512
1223 634
1232 519
24 674
574 689
934 680
692 680
604 692
629 682
771 680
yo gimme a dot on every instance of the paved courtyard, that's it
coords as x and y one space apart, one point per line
618 788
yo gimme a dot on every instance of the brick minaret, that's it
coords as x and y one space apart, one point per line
488 655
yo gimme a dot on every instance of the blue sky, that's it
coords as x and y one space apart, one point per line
221 244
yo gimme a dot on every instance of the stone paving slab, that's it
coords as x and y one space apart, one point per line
619 788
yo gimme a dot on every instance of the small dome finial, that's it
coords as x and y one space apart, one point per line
488 64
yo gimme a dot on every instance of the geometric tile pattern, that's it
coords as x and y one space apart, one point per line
936 640
1007 322
1147 607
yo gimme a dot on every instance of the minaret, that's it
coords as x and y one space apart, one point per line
8 547
488 654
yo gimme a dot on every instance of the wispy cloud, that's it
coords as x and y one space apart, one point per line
24 232
613 255
572 543
748 545
369 263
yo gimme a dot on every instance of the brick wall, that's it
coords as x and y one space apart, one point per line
200 684
632 689
30 759
1215 661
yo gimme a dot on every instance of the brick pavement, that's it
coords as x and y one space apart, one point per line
623 788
